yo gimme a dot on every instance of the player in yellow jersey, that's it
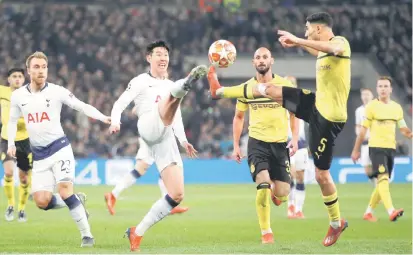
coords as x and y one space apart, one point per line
268 153
23 154
381 117
325 110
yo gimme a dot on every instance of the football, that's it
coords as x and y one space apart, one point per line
222 53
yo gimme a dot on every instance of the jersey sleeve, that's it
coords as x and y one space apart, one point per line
132 91
178 127
241 105
14 116
70 100
400 120
340 40
368 116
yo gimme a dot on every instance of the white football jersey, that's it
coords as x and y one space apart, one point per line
360 116
146 91
301 131
41 112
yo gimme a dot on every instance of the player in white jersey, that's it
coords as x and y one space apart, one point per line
299 163
143 161
156 113
366 96
40 103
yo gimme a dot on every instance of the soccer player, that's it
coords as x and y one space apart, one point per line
325 110
366 97
268 154
381 117
40 103
15 77
299 163
158 100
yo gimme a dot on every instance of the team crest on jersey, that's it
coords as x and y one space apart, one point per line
129 86
382 169
306 91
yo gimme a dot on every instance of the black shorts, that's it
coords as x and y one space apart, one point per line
273 157
23 154
322 132
382 160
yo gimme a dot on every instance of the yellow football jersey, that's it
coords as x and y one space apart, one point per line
268 121
5 95
381 119
333 80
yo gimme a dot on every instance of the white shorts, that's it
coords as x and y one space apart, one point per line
160 141
144 153
300 159
364 156
60 167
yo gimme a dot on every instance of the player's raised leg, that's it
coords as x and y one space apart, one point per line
167 107
176 210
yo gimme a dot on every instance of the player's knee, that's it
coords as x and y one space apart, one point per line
300 176
177 196
282 190
323 177
23 177
65 189
42 200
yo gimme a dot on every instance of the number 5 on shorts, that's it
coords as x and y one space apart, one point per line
321 147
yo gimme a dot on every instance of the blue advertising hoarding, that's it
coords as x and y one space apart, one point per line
219 171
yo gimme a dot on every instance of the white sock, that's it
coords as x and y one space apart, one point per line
263 232
335 224
128 180
291 197
77 210
59 201
390 210
299 200
177 90
159 210
162 187
369 209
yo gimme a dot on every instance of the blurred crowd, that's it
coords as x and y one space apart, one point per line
94 52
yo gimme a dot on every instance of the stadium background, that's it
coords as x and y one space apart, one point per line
95 47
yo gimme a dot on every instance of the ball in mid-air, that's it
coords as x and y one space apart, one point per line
222 53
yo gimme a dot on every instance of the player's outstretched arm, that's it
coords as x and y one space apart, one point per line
70 100
179 131
15 114
123 101
404 129
295 130
335 46
237 127
355 155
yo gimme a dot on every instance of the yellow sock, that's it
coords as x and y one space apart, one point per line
384 191
240 91
374 199
9 190
23 196
333 207
262 202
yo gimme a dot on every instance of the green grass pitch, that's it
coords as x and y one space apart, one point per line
221 219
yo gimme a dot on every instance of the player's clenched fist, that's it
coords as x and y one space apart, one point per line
11 151
114 128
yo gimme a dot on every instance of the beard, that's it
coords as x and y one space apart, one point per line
262 71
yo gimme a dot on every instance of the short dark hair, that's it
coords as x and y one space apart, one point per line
156 44
15 70
321 18
388 78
